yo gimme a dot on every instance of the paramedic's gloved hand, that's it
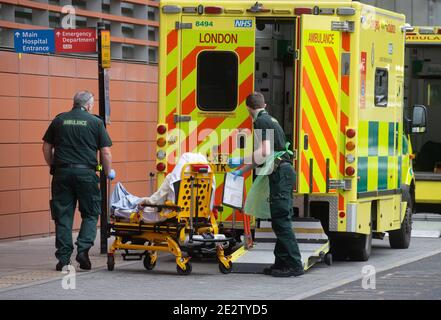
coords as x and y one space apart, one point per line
235 162
237 173
111 175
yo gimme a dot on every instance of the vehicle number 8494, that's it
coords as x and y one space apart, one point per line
204 23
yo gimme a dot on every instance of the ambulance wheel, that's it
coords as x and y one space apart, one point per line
361 247
224 269
110 262
185 272
339 248
328 259
148 262
400 239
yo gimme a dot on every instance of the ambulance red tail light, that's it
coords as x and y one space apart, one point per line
300 11
161 129
213 10
160 167
350 171
342 214
350 133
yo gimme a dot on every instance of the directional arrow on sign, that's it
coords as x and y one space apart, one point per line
17 34
58 33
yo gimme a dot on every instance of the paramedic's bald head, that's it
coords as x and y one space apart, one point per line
255 101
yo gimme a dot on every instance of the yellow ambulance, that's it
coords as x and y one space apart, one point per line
332 73
423 87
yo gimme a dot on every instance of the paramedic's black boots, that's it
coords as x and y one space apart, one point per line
287 272
268 271
277 271
60 265
83 260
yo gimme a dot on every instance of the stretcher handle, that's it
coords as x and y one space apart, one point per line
162 206
151 180
109 189
192 202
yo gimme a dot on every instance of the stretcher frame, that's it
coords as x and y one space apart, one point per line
184 220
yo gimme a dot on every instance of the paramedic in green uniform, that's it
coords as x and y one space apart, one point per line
287 254
70 148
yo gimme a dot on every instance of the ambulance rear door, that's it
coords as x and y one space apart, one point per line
217 74
319 107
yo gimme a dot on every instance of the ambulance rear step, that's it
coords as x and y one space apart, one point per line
426 225
313 244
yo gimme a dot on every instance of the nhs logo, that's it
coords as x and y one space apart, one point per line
243 23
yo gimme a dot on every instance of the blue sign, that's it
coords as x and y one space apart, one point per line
34 41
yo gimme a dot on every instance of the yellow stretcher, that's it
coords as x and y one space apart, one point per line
190 222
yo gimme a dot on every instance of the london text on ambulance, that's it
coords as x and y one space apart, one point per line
217 38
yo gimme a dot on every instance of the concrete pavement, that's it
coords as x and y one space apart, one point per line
419 280
26 273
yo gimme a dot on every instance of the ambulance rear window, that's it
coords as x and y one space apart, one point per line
217 81
381 87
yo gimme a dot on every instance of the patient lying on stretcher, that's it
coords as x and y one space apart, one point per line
123 204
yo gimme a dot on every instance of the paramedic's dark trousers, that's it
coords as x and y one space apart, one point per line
70 185
286 251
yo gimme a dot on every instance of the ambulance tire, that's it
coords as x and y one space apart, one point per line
400 239
339 248
361 247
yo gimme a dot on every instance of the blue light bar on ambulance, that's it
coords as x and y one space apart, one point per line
282 11
190 10
171 9
214 10
345 11
327 11
258 8
233 10
426 30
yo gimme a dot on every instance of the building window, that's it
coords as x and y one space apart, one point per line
153 55
128 51
23 15
381 87
152 34
105 6
80 22
127 9
217 73
54 19
151 13
127 30
79 4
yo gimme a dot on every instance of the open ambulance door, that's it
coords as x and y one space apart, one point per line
217 74
319 106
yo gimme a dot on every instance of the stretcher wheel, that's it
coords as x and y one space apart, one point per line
328 259
224 269
185 272
148 262
110 262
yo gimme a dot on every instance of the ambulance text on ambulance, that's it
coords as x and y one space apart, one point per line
321 38
217 38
